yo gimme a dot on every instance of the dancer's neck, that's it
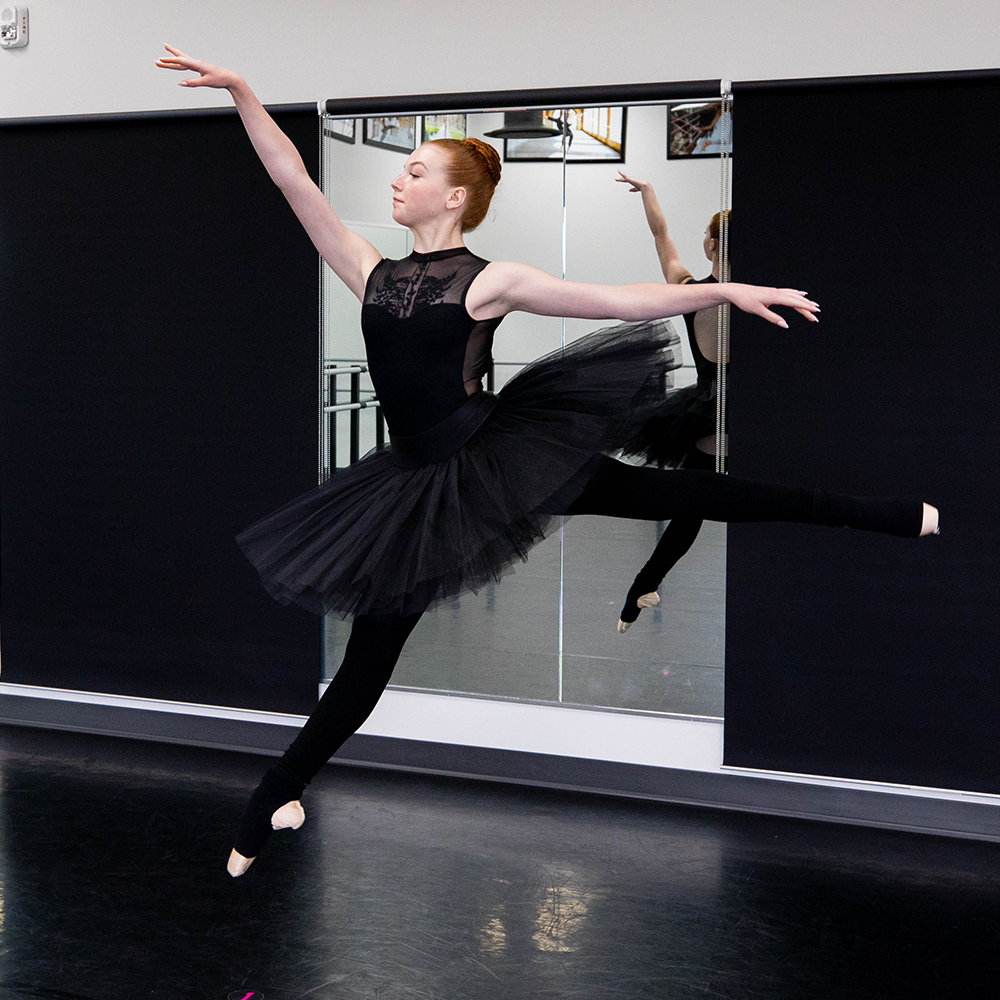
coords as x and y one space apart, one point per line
441 234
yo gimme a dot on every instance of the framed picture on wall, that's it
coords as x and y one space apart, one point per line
340 128
392 132
694 130
443 127
592 135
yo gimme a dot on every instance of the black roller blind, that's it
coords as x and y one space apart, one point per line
159 331
847 653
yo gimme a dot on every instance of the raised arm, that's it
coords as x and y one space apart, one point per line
506 287
670 261
351 256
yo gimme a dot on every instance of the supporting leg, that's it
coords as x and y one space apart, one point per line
677 538
674 543
372 652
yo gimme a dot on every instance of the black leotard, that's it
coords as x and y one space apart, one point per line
426 354
706 369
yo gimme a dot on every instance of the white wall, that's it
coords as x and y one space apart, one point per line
98 56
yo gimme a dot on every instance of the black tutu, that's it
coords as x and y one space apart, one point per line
683 418
378 537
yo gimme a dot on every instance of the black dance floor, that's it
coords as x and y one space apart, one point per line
113 886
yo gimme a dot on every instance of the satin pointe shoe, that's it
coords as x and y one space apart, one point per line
649 600
274 805
289 817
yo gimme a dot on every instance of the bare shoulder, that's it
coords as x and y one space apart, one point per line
490 293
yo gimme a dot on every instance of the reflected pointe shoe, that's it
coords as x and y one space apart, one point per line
649 600
274 805
289 817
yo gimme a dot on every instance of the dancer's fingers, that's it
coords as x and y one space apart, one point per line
797 300
772 317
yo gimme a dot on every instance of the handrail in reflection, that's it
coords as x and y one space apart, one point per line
332 369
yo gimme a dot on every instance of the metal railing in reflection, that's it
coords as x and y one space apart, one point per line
358 400
361 399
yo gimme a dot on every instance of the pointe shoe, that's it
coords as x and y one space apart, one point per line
645 601
930 524
290 816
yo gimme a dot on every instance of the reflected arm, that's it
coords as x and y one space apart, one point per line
670 259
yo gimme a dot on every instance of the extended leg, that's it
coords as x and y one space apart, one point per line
372 651
621 490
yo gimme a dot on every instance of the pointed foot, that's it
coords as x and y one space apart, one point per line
237 864
290 816
649 600
930 521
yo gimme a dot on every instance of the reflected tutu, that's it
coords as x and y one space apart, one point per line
378 537
683 418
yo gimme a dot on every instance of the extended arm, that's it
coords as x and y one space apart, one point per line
351 256
670 261
505 287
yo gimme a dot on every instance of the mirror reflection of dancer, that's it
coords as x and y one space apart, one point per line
472 481
562 122
684 436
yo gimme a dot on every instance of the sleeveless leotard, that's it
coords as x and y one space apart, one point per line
426 354
705 368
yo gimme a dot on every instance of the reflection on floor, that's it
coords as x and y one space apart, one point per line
112 886
505 640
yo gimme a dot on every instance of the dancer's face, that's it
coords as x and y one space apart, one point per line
422 192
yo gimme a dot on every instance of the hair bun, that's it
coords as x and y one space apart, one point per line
489 154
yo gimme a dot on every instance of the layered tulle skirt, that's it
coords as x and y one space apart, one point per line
684 417
387 536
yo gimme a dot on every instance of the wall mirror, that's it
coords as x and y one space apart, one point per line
547 632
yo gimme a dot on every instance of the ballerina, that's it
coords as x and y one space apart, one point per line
684 435
472 481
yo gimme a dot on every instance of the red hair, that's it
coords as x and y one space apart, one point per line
714 225
474 165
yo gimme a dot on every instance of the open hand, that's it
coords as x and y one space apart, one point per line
208 75
637 183
757 299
